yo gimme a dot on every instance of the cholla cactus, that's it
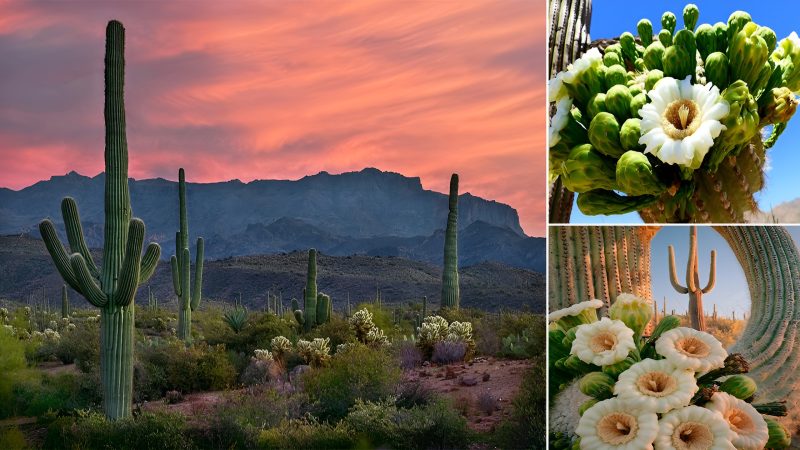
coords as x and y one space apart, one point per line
459 331
361 322
52 325
316 353
432 330
375 336
675 124
71 327
263 355
280 346
3 315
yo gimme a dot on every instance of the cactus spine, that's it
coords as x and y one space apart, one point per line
188 296
64 302
317 307
451 297
113 286
698 319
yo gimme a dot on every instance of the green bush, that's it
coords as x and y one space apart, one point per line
306 434
526 427
155 320
260 329
171 365
337 330
162 431
360 372
59 393
81 346
13 368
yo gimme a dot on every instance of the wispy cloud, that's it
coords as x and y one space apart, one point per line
255 90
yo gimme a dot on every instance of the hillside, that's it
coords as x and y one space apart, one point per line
27 268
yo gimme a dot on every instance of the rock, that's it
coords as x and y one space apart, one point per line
486 376
295 374
468 380
426 363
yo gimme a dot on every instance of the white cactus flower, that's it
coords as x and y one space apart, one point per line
656 386
603 343
690 349
587 60
579 313
559 120
749 427
613 425
693 428
682 120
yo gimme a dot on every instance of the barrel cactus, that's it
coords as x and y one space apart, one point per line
112 286
684 121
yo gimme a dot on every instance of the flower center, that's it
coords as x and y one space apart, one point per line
602 342
693 347
617 428
739 421
692 436
656 384
678 120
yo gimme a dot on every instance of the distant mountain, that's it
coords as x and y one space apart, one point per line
368 212
786 212
27 270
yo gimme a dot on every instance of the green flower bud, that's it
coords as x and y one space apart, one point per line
604 133
653 55
587 83
614 48
615 369
629 135
574 132
635 176
639 65
557 154
635 88
597 104
652 78
742 119
779 436
586 169
721 30
586 405
747 53
768 34
633 311
607 202
597 385
570 335
556 348
706 40
690 16
717 69
665 37
628 45
736 22
739 386
616 75
576 366
638 101
677 63
762 79
611 59
645 30
779 106
618 101
668 21
665 324
685 39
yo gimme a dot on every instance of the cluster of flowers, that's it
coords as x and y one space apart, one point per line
365 329
435 329
675 389
642 116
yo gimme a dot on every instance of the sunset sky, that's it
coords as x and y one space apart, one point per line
263 90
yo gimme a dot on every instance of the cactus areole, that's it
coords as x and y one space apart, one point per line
188 296
112 287
450 294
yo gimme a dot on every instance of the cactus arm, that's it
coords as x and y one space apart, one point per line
176 278
197 291
712 274
673 274
72 224
58 254
185 274
149 262
691 266
88 287
131 265
178 250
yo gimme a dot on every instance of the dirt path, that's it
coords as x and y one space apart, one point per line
194 406
467 384
55 367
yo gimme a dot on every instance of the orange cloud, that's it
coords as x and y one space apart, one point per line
255 90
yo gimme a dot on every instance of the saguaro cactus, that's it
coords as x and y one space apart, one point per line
451 297
317 307
112 287
698 319
64 302
188 296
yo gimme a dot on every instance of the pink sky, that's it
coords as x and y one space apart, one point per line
261 90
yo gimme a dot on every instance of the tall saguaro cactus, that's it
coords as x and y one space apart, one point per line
317 307
188 296
451 298
698 319
113 286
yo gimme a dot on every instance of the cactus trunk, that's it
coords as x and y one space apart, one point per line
450 294
310 299
696 315
116 360
64 302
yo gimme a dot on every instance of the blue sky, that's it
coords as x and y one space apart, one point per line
611 18
730 292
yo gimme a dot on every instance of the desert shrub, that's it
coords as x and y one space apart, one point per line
81 346
11 438
448 352
262 369
236 318
435 330
408 355
337 330
435 425
258 333
413 393
306 434
170 365
238 421
13 368
526 426
59 393
93 431
487 336
157 320
487 402
360 372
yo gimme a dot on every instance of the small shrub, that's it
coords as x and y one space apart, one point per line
487 402
81 346
236 318
409 394
337 330
59 393
258 333
173 397
448 352
359 372
487 337
408 355
306 434
162 431
526 426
